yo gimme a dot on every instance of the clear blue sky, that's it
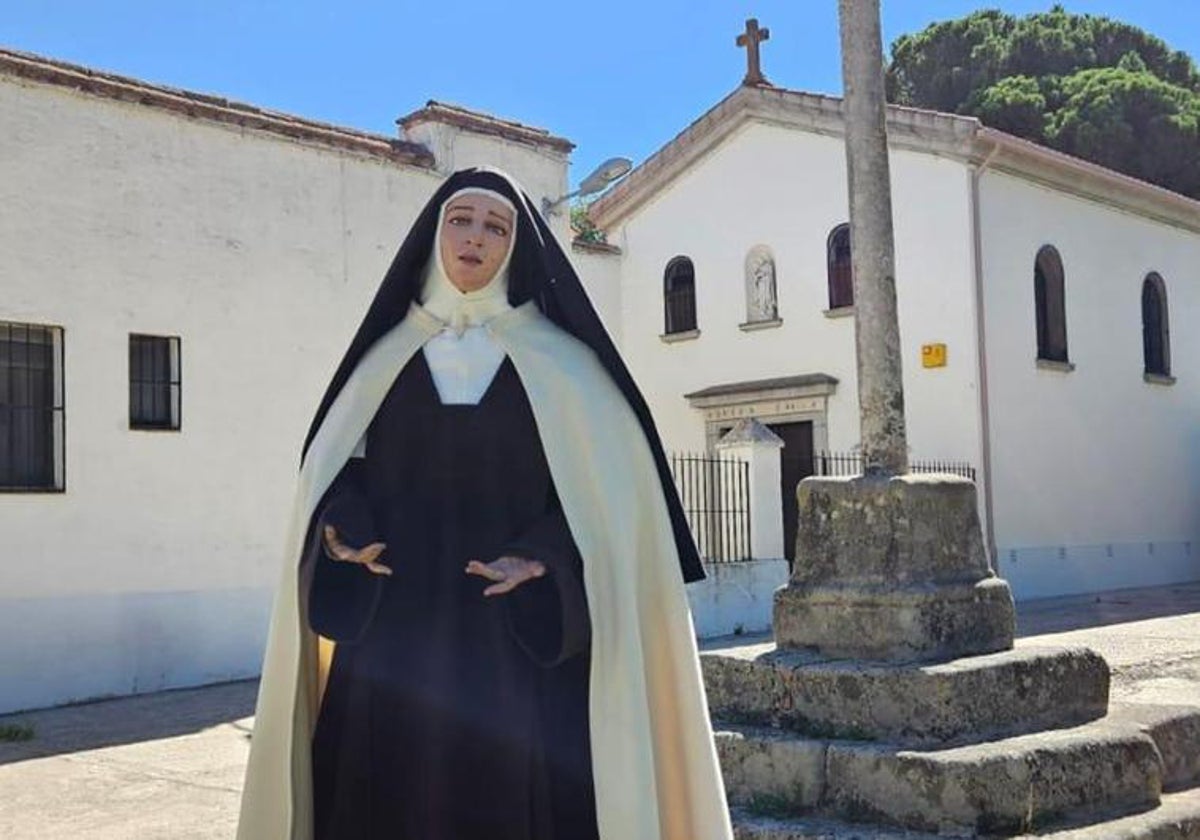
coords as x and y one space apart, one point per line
615 77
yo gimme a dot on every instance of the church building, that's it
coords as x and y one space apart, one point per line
182 272
1036 294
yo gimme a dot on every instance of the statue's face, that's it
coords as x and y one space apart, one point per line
474 240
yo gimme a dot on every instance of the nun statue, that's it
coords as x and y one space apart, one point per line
481 631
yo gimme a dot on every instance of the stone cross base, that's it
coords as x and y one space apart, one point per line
892 569
901 625
846 720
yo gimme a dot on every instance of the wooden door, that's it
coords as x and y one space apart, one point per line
796 462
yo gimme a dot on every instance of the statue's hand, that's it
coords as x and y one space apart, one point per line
367 556
506 573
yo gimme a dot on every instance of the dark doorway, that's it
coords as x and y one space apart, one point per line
796 462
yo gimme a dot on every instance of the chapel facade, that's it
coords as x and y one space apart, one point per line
1036 296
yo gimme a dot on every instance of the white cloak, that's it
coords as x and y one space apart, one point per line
654 764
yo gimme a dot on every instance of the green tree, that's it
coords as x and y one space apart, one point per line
1014 104
1132 122
1089 86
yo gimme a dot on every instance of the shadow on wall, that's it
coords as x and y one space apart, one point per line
128 720
1100 609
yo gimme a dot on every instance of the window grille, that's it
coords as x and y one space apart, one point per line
154 386
679 295
31 407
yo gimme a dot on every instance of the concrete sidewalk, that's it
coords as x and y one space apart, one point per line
169 766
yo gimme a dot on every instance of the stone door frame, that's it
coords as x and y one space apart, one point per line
795 399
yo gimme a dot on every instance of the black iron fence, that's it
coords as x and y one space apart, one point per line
850 463
715 493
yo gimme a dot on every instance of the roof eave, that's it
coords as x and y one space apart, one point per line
1058 170
206 106
960 138
480 123
912 128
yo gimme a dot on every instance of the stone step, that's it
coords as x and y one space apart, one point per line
751 826
971 699
1004 787
1176 733
1177 817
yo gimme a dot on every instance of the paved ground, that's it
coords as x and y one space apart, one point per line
169 766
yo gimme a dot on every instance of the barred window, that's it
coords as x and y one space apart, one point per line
679 295
154 387
31 407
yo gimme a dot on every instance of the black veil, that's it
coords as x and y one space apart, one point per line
538 271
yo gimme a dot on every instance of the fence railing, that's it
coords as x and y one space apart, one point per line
850 463
715 493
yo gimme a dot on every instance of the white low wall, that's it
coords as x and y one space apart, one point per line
736 597
65 649
1045 571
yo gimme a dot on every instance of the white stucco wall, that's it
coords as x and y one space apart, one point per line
156 567
785 188
600 274
1096 475
541 171
736 598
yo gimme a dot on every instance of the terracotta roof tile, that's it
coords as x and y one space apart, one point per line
481 123
208 107
958 136
594 247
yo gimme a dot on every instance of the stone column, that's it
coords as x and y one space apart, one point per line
888 566
753 443
877 330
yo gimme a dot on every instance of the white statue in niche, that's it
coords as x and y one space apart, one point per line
761 304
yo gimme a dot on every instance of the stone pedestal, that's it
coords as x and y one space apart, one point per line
893 695
892 569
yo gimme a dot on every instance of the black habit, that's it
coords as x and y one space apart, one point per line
448 715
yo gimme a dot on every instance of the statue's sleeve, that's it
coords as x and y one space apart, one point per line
548 616
343 596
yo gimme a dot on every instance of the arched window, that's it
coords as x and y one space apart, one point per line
1050 303
1156 334
679 295
841 276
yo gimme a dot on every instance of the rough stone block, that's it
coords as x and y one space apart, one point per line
892 569
754 826
1177 817
768 770
898 625
1003 787
1176 733
971 699
898 531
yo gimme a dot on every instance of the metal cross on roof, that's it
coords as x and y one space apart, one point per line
750 39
